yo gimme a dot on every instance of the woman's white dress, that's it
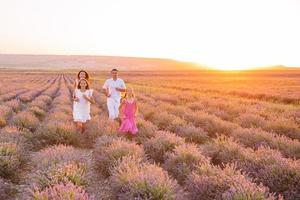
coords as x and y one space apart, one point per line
81 109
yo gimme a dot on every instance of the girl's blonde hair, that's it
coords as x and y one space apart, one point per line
125 94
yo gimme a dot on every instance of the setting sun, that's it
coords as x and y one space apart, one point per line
227 35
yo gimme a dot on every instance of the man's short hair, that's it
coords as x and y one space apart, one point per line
114 70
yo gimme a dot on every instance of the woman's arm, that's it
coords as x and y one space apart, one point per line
75 83
74 96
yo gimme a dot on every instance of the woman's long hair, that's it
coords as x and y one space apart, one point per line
87 76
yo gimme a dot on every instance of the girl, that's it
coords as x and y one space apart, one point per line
83 97
128 109
80 75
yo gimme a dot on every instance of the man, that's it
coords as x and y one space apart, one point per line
112 89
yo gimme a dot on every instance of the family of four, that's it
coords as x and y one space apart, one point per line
125 106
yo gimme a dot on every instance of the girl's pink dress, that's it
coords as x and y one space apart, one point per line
128 121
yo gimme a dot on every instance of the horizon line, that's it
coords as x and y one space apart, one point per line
157 58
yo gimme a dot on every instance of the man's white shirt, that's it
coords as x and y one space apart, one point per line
112 84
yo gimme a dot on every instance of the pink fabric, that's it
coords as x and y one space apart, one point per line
128 121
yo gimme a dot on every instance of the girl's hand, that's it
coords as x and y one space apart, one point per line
85 97
75 99
89 99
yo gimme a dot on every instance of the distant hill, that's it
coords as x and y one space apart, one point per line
56 62
277 68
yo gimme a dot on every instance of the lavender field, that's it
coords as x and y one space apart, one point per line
202 135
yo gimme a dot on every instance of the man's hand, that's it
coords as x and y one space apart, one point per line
120 89
106 93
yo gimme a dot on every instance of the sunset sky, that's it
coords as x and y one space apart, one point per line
231 34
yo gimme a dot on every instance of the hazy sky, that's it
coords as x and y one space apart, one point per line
226 34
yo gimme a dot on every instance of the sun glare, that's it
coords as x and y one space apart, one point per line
230 68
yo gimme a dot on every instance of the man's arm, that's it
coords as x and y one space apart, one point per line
105 89
122 88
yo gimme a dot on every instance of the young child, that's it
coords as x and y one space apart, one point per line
128 109
83 97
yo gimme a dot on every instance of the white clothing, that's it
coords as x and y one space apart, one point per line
113 107
111 85
113 102
81 109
